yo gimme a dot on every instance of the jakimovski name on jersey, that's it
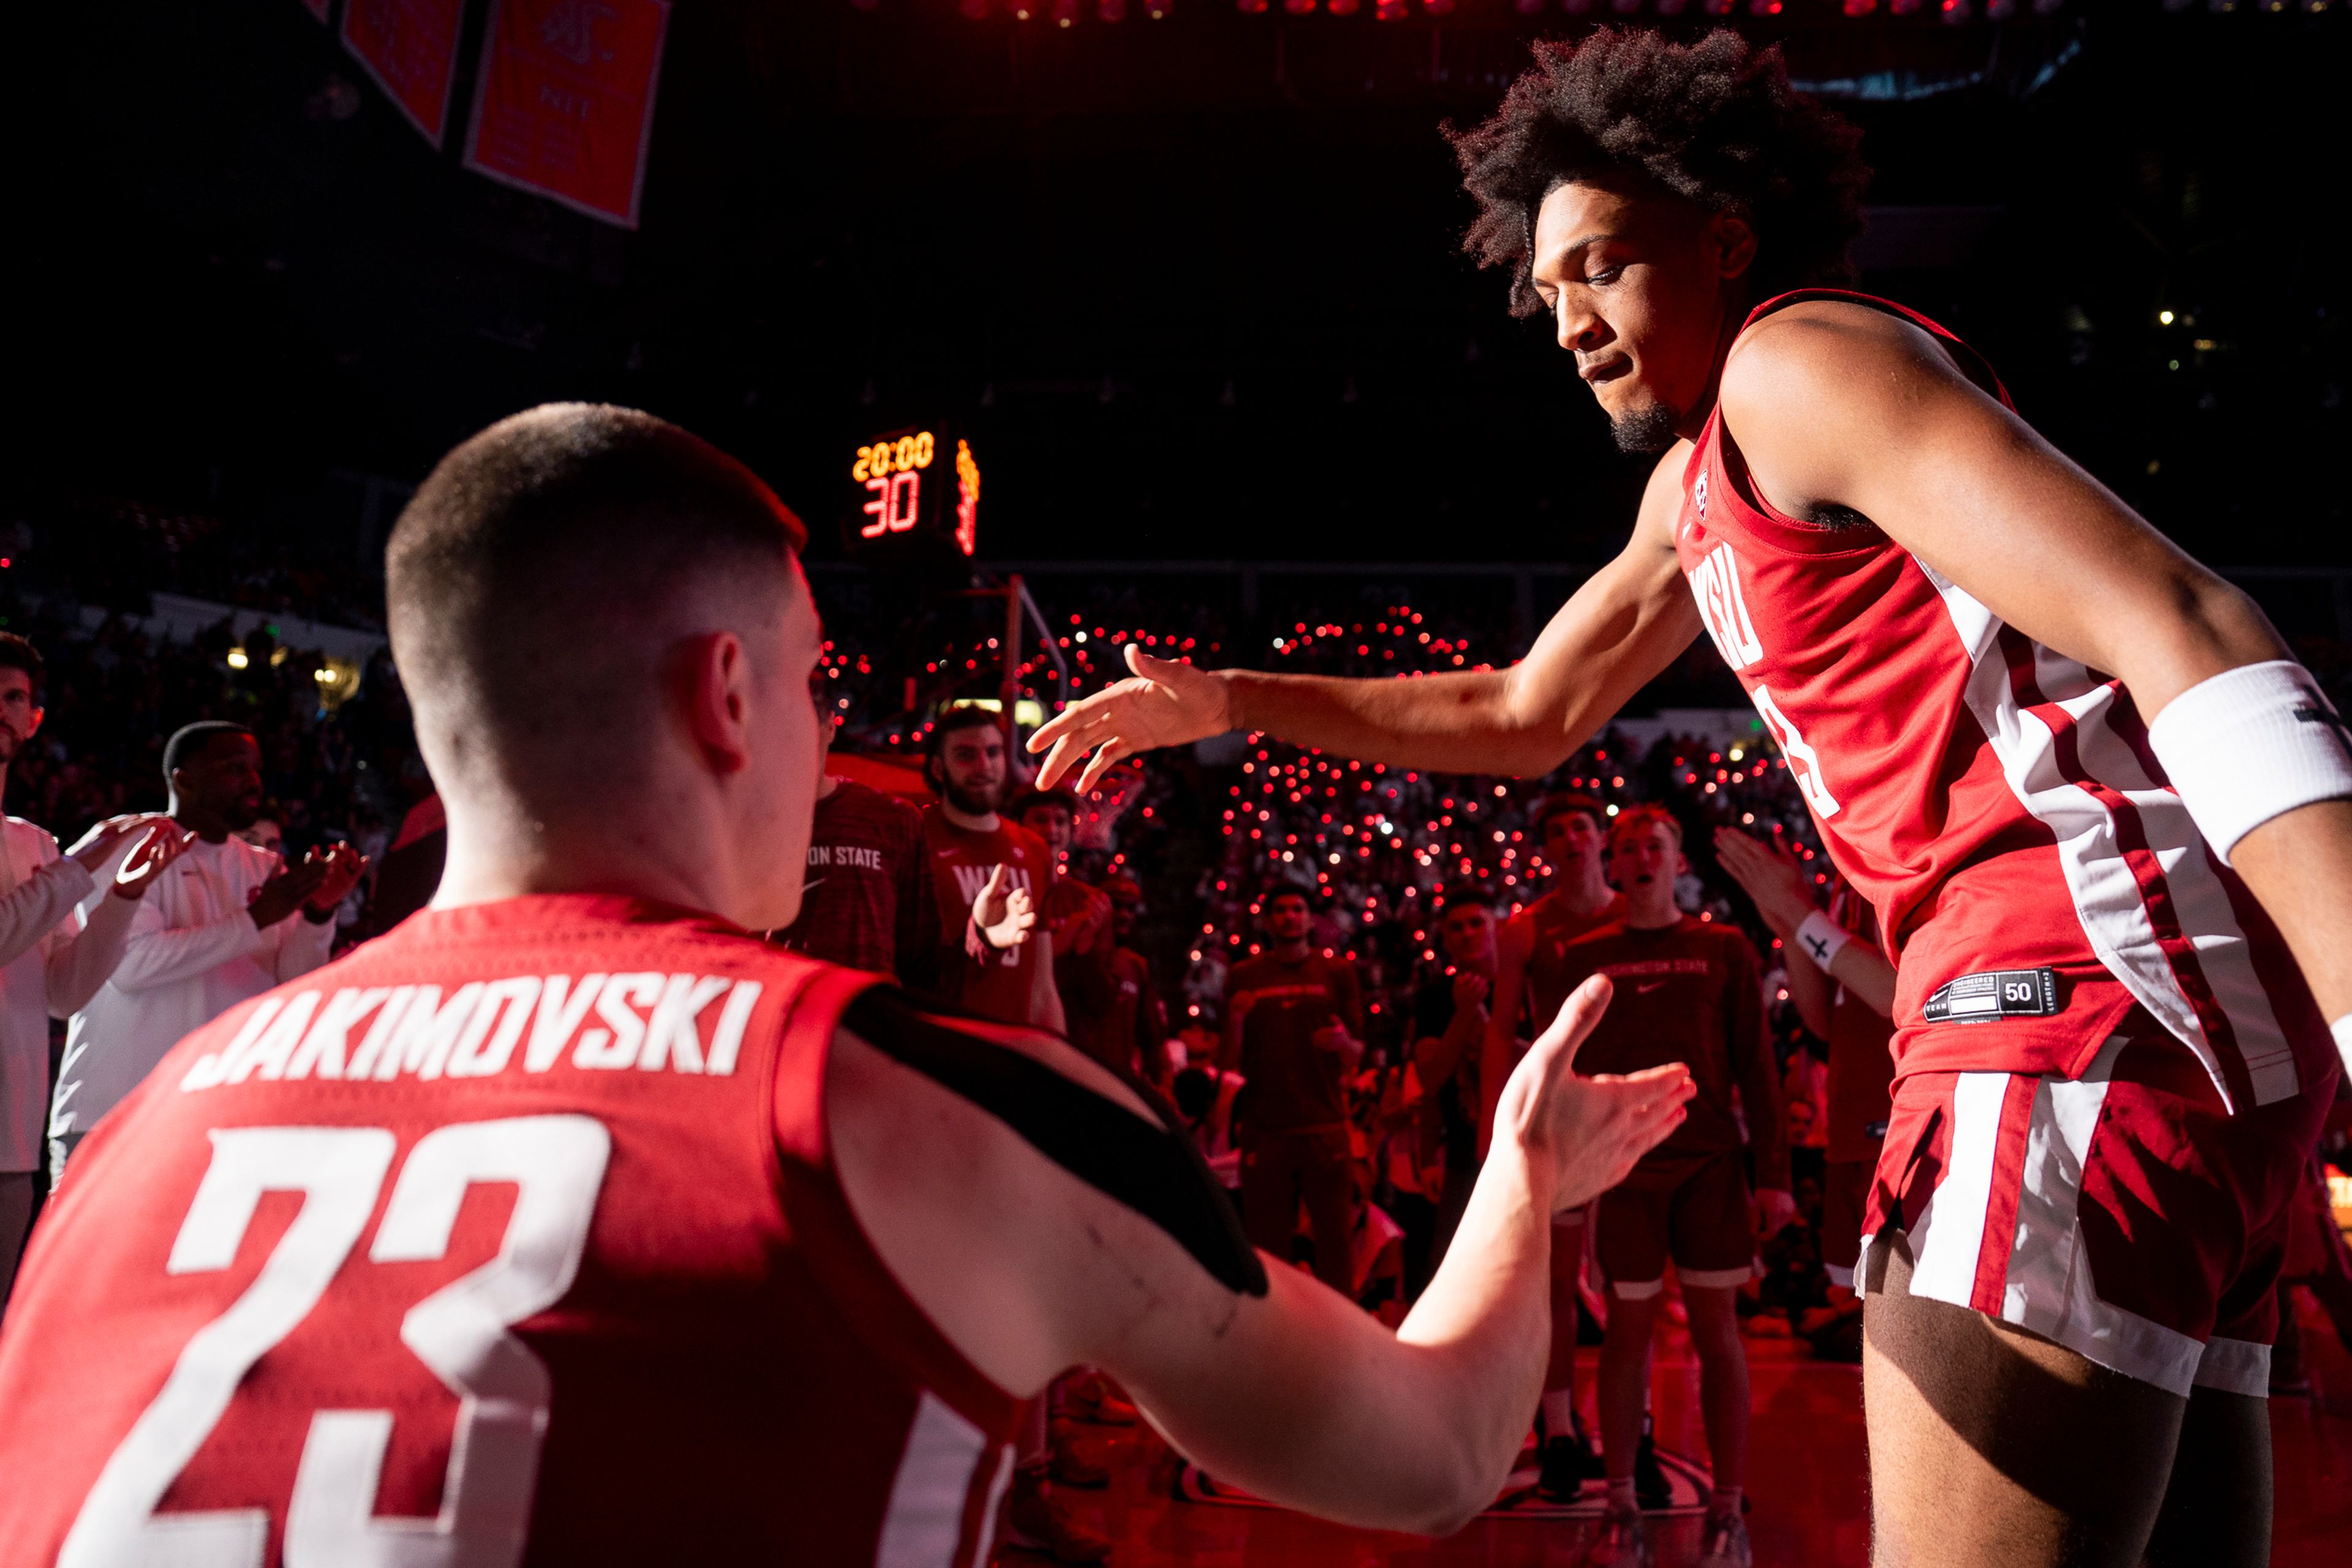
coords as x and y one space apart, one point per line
473 1034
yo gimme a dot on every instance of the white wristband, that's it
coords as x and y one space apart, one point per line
1821 938
2250 744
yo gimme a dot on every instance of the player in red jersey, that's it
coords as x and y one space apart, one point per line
1844 990
1688 991
573 1223
1572 829
2105 820
987 864
869 900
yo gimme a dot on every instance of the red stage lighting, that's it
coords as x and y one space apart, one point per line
1110 10
1343 7
1250 7
1299 8
1719 8
1383 11
1025 10
1437 7
1902 7
1860 7
1957 12
1065 13
1763 7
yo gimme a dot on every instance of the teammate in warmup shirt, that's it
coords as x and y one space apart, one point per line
1688 991
572 1223
1530 978
994 868
2102 815
869 900
1294 1030
1844 990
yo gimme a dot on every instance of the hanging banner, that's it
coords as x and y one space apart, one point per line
565 103
410 47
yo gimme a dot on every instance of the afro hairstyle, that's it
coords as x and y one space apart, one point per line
1715 122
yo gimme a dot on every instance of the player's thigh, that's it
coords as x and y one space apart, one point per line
1710 1226
1992 1448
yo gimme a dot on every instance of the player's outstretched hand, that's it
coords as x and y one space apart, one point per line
1003 914
1163 703
1587 1130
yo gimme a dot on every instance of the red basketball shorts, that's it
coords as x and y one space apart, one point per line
2125 1214
1701 1220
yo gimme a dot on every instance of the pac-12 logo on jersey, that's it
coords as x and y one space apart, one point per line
1715 583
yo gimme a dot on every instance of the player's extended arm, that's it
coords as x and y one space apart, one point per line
1624 626
1838 404
1032 1261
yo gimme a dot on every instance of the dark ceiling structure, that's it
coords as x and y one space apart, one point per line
1191 287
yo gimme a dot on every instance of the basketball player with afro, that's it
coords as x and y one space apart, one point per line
2099 812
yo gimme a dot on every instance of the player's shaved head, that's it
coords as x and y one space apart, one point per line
539 575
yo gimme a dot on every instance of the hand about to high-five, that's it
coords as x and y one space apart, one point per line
1002 913
286 891
1163 703
1587 1132
99 845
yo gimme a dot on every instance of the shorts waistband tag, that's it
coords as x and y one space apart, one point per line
1994 995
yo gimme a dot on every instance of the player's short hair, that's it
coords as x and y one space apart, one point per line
1565 806
1122 890
16 653
191 742
533 580
1285 888
1029 800
954 722
1637 819
1715 122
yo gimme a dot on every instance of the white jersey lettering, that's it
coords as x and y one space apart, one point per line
1715 586
1801 759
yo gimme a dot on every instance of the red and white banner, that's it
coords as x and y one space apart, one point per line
565 104
410 47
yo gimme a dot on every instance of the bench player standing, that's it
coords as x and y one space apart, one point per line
2101 814
570 1223
1844 990
985 864
1572 830
1688 991
869 900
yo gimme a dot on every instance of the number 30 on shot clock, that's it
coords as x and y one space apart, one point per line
918 482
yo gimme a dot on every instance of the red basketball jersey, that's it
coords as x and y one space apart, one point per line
1554 929
1995 801
999 984
512 1238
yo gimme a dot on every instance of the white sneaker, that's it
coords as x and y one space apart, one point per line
1725 1543
1621 1542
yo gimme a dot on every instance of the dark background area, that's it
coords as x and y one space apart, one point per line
1191 287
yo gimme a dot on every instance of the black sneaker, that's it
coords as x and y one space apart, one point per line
1566 1464
1651 1487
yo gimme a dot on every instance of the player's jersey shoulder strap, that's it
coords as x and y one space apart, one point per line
1156 1173
1973 364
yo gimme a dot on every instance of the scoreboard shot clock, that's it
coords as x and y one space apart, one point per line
920 484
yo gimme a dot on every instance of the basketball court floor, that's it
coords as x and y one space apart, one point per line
1807 1479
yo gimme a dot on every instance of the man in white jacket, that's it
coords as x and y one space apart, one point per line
227 921
51 962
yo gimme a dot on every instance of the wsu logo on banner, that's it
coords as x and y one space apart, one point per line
565 103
